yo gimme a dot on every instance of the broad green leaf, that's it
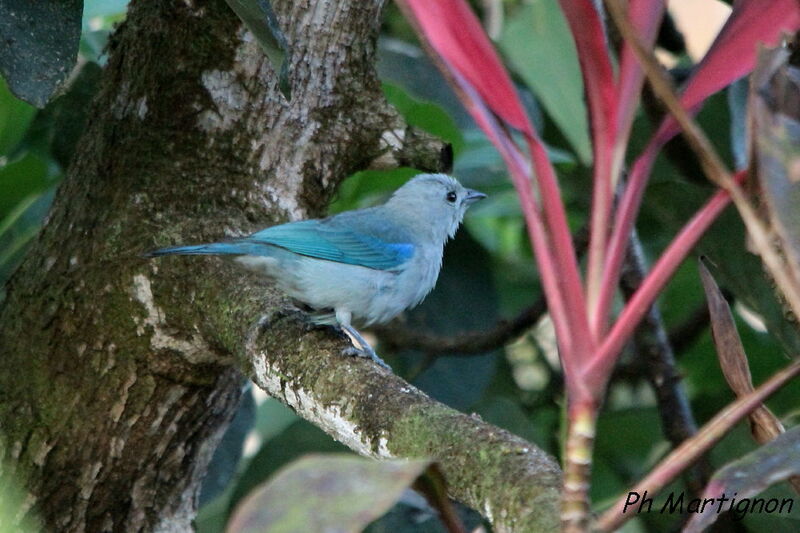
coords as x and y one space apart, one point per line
24 177
670 202
212 517
272 417
772 463
299 438
369 187
333 492
40 45
507 414
539 46
18 229
409 67
425 115
15 116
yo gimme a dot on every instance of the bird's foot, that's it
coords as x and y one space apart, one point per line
365 349
352 351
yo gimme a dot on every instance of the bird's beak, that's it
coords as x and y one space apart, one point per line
473 196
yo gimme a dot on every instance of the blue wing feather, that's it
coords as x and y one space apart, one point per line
332 239
325 240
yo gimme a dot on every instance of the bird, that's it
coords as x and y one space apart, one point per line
363 266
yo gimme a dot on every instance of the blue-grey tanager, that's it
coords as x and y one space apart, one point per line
364 266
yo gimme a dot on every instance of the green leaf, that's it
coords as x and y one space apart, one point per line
40 45
15 116
272 417
18 229
669 204
370 187
12 500
299 438
426 116
539 45
337 492
29 175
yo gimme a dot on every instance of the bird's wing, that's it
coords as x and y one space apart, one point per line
316 238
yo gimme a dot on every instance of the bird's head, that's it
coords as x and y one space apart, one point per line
436 200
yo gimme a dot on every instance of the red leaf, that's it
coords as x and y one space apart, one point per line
734 51
601 94
452 30
645 16
598 75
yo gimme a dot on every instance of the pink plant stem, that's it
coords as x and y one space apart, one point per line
662 271
602 202
563 249
646 16
601 94
520 171
626 216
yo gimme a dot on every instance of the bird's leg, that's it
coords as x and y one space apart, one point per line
364 349
343 317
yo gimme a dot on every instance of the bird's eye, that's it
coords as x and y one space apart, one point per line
451 197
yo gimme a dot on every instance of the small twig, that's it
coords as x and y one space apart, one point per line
709 159
653 345
467 344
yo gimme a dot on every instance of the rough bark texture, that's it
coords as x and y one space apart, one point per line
118 374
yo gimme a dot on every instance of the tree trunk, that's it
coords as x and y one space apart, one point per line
118 374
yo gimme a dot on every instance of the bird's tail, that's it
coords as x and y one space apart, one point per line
215 248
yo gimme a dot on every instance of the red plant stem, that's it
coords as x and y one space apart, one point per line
587 30
691 449
646 16
563 249
625 218
602 202
521 176
634 311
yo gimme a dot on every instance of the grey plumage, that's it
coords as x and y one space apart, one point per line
364 266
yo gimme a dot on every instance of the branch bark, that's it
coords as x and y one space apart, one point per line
119 374
653 346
